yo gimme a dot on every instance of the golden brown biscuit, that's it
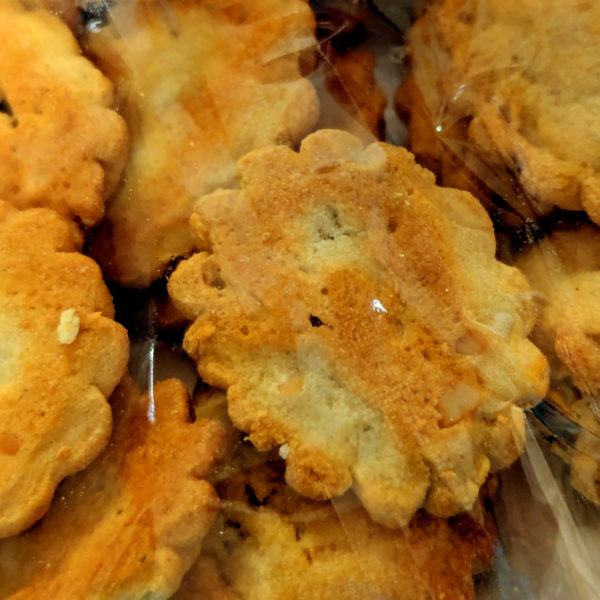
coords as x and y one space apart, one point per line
357 317
61 355
131 524
270 543
61 145
200 84
565 269
330 551
506 88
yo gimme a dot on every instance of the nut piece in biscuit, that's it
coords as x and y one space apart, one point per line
61 145
355 312
506 90
54 376
200 84
130 524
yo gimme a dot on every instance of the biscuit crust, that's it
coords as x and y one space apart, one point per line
357 317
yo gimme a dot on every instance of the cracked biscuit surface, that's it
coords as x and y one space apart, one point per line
61 145
358 319
61 356
130 524
200 84
512 88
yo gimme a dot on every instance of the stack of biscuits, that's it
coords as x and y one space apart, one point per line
363 360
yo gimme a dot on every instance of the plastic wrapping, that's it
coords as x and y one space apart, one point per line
355 354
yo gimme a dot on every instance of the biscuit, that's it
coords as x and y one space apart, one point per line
565 269
131 523
507 92
61 356
61 145
270 543
199 85
330 551
358 319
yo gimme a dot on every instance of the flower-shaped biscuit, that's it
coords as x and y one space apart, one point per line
358 319
61 356
61 145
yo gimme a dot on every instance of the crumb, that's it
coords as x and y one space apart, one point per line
68 327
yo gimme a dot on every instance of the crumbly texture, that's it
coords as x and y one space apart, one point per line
565 269
355 312
131 524
61 144
507 89
54 417
268 543
200 84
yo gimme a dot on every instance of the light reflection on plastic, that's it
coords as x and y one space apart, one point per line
377 306
95 26
150 412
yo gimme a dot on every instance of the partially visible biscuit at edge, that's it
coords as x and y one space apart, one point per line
355 312
62 146
505 90
54 377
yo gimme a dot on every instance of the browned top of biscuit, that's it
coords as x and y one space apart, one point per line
200 84
61 355
130 524
358 317
512 78
61 145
